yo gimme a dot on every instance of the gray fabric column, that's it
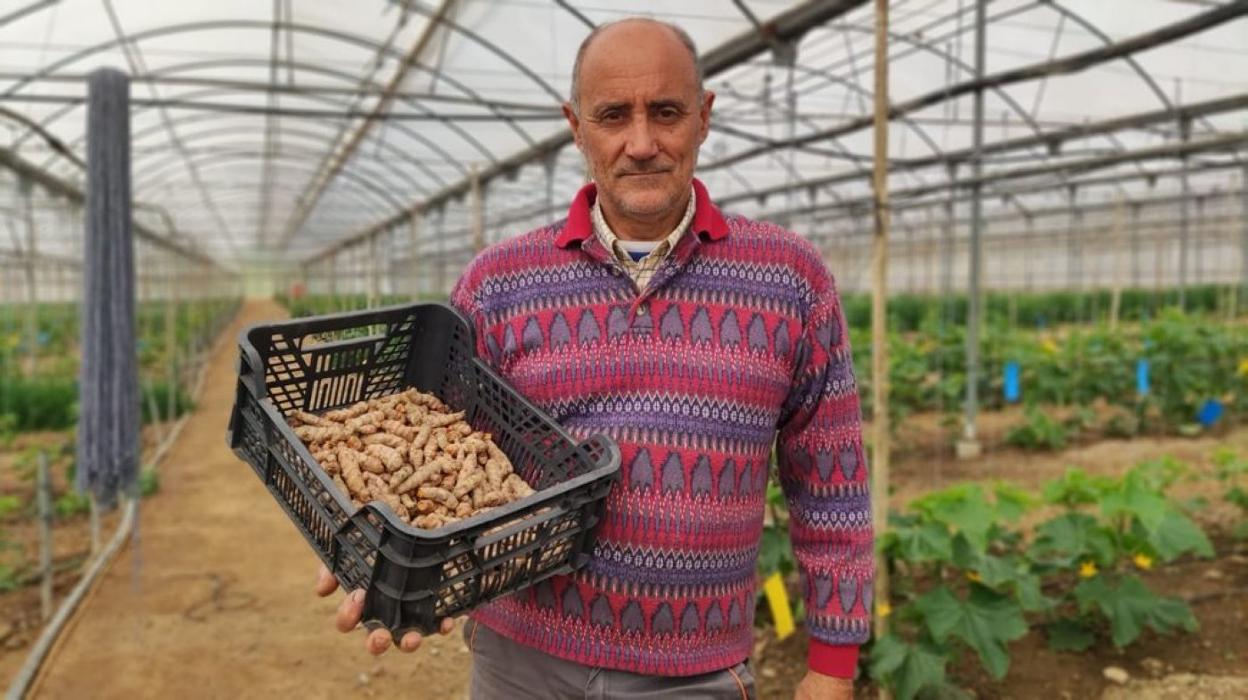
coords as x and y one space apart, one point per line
108 423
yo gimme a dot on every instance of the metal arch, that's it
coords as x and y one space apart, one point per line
1167 33
225 147
1106 40
198 65
249 24
160 169
323 70
866 121
854 86
203 93
577 14
216 159
29 9
195 119
230 197
1080 131
492 48
295 131
1130 59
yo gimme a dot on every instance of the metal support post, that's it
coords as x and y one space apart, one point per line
969 447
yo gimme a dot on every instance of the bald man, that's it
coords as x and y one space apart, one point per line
697 340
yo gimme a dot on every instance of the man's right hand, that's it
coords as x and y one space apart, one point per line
352 609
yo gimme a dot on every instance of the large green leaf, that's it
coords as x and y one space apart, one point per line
985 621
963 508
1012 501
1130 606
1176 534
1137 498
1000 573
925 542
908 668
1071 538
775 551
1075 487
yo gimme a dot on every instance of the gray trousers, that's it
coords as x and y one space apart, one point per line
505 670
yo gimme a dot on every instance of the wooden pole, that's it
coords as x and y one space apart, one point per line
93 512
879 310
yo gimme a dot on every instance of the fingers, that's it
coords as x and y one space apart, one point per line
378 641
325 582
410 642
448 626
350 611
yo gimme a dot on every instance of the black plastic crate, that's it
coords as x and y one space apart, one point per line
415 577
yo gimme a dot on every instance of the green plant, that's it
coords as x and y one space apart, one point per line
1229 468
10 504
966 577
149 481
1038 431
8 430
71 503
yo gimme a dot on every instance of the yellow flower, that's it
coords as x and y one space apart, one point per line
1087 569
974 577
1143 561
1243 367
883 609
1049 346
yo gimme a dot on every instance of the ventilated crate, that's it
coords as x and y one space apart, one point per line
414 577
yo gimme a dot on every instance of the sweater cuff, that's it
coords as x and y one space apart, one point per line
837 660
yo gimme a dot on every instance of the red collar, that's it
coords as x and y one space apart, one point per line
706 217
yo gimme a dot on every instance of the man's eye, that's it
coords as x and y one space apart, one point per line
669 113
612 117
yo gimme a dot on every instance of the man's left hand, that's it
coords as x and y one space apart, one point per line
816 686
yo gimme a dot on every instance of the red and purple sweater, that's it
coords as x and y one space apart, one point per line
739 336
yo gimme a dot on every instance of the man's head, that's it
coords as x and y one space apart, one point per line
639 114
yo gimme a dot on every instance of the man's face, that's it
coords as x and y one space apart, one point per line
641 120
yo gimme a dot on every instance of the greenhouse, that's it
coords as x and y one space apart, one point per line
272 239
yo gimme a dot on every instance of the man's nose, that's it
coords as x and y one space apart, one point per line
641 142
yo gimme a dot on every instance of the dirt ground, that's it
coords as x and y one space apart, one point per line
213 596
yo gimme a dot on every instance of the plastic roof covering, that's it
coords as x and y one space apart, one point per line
489 81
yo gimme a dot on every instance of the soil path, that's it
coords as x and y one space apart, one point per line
213 596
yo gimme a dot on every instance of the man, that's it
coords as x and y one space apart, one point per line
696 341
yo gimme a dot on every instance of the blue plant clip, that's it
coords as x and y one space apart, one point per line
1013 386
1210 412
1142 384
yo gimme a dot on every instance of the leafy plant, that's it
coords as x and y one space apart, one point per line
1230 469
965 576
1038 431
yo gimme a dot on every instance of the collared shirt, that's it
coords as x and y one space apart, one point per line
640 270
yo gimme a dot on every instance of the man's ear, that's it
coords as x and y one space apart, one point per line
574 123
704 111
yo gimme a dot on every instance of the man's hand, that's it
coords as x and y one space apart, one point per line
352 608
816 686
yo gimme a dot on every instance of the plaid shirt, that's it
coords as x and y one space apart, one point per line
640 270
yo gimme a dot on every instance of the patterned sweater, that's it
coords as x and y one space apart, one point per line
738 343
